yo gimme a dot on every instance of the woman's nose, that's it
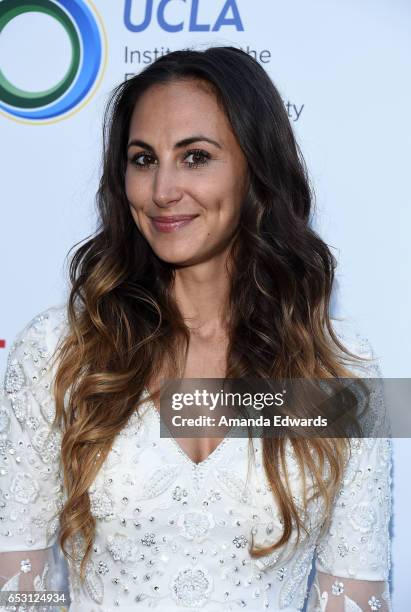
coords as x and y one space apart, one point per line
166 189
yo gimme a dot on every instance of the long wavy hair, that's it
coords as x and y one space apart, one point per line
125 326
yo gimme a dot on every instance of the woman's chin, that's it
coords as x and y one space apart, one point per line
178 257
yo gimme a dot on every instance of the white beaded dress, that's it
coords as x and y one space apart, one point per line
173 535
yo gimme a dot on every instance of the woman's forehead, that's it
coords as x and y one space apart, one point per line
179 110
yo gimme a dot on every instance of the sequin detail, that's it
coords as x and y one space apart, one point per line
374 603
191 587
195 525
337 588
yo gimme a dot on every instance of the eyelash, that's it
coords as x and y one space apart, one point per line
206 156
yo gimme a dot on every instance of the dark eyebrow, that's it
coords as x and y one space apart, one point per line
178 145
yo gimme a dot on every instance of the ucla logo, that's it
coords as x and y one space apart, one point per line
227 16
88 58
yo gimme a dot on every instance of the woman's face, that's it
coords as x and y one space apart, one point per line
186 174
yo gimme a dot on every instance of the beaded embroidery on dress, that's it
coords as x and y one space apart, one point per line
172 534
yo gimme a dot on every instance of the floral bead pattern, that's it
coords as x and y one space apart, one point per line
191 587
335 600
30 473
175 535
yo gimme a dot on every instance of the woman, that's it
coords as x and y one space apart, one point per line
204 266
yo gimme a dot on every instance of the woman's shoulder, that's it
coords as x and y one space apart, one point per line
45 328
352 337
31 353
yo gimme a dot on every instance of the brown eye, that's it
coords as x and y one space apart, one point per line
140 160
200 158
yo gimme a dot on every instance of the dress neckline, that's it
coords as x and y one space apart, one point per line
196 466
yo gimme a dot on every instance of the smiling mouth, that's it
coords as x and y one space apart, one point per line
170 223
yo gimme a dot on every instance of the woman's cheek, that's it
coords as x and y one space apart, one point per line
130 186
134 215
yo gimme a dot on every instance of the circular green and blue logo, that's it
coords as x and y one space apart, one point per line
88 45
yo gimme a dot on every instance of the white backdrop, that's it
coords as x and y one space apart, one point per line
342 69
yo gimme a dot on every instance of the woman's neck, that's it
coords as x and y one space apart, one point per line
202 295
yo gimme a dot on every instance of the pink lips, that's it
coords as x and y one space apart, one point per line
170 223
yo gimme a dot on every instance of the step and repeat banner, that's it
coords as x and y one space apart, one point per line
342 69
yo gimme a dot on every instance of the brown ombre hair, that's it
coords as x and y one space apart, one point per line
125 327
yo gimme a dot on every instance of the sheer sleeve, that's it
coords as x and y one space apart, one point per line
353 557
30 469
